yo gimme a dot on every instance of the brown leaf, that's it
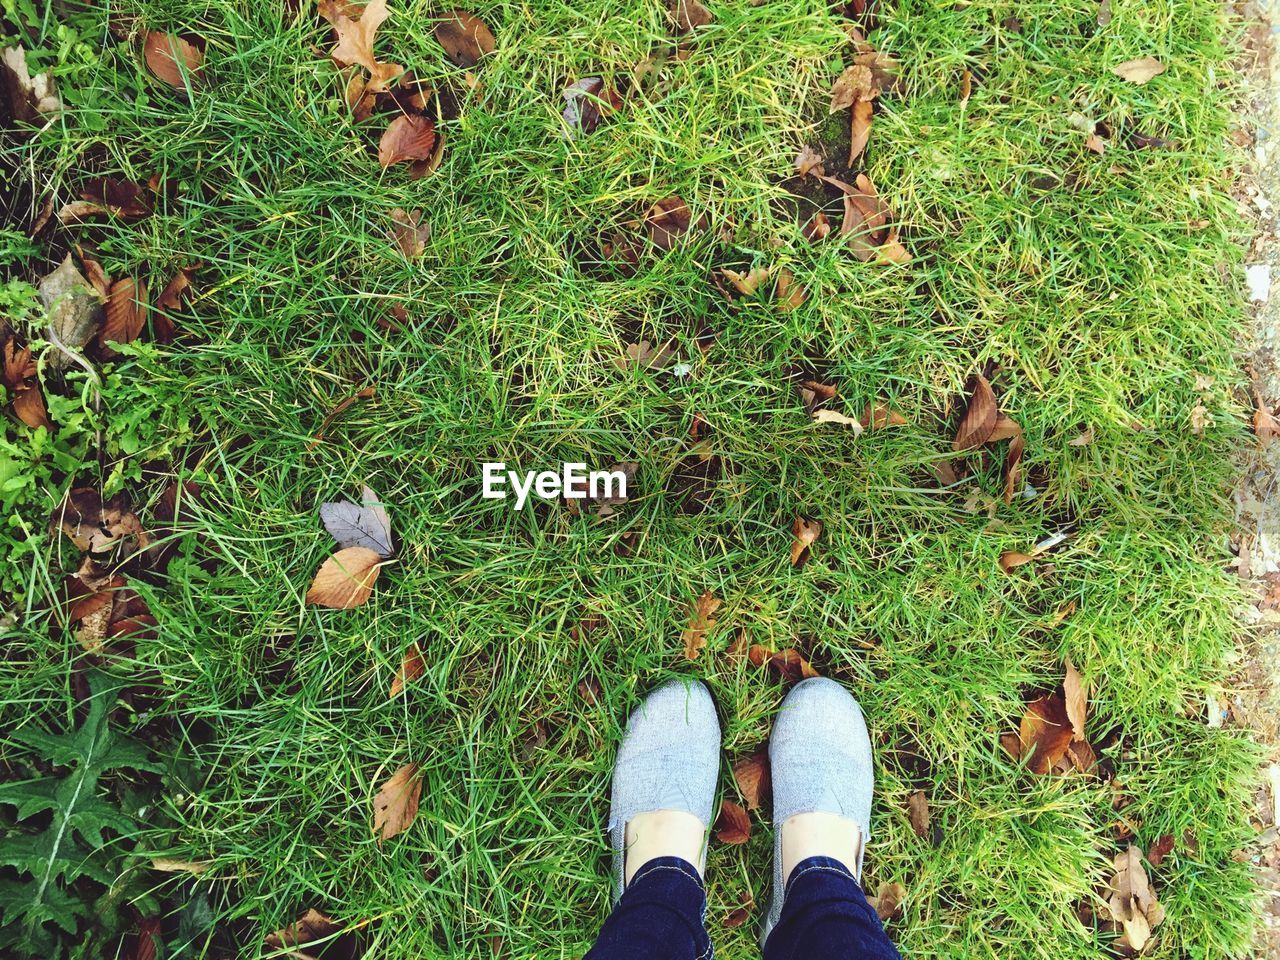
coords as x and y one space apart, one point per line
700 622
818 228
1075 693
806 534
590 691
742 913
408 137
1265 426
174 296
100 526
689 14
1162 847
753 776
309 928
1006 428
122 198
966 87
1012 559
1012 464
396 805
411 668
126 312
587 102
791 666
346 579
979 419
733 825
1139 71
465 38
809 161
1133 904
746 283
668 220
857 82
1045 732
863 111
888 901
918 813
645 356
355 43
145 946
30 408
409 232
169 57
787 293
877 416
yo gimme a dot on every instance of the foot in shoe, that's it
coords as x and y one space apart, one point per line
664 782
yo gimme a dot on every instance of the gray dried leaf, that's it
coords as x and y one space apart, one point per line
73 306
359 525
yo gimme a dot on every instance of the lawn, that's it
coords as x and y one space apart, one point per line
1097 292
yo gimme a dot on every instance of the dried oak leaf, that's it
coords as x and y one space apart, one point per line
809 161
806 533
409 232
689 15
733 825
346 579
746 283
126 312
645 356
411 668
753 775
790 665
888 900
173 60
355 43
396 805
95 525
465 37
312 927
701 613
979 420
1132 903
854 84
1139 71
407 138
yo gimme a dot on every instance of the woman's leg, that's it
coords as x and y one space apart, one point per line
663 789
820 757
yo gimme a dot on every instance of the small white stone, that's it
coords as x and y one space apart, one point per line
682 369
1258 276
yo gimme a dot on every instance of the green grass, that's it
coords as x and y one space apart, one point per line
1082 284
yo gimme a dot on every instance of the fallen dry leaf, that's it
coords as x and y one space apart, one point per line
95 525
701 612
733 825
754 778
126 312
73 308
173 60
818 228
746 283
790 665
1012 559
29 98
809 161
411 668
346 579
918 814
1012 465
979 419
888 900
667 221
465 37
806 534
966 87
1161 848
787 294
740 915
863 111
407 138
1076 694
877 416
366 524
355 43
174 296
311 927
1139 71
121 198
409 232
20 380
396 805
832 416
1133 904
587 102
1045 733
645 356
689 14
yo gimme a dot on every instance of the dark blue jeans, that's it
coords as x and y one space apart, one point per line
824 914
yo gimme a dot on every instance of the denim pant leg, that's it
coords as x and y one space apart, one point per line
825 914
660 916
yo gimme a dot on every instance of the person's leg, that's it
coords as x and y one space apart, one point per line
664 786
820 757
